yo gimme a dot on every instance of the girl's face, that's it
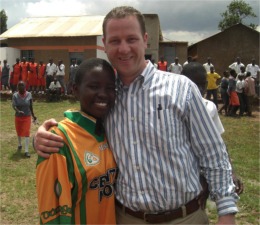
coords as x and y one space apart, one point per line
21 88
96 92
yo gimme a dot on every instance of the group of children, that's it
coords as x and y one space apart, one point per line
237 92
31 73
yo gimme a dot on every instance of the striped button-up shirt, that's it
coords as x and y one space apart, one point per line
162 137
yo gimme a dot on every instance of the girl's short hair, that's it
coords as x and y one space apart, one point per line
88 64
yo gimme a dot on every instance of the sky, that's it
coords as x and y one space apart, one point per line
181 20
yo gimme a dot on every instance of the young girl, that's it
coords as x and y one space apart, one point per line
76 185
22 104
233 97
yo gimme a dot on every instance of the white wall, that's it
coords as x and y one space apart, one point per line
10 54
100 53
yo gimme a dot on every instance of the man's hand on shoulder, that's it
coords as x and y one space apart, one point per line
45 142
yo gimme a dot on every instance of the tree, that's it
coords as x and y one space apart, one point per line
3 21
236 12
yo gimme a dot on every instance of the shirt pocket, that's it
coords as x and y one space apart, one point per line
159 126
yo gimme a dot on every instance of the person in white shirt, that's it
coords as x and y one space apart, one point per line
196 72
61 75
253 69
236 65
50 70
207 65
175 67
72 74
54 91
240 86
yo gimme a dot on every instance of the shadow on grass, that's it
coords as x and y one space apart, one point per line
17 156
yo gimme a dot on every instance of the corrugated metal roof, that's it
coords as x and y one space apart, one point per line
56 27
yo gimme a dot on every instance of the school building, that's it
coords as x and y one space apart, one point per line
224 47
80 37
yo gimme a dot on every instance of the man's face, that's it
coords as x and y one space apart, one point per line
125 46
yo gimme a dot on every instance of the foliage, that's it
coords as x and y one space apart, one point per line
3 21
236 12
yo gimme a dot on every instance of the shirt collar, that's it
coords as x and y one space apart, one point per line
145 77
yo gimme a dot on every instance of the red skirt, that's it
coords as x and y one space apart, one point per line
233 99
23 125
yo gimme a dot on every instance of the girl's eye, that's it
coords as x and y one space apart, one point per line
93 86
111 88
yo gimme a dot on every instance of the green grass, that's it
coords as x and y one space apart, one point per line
18 192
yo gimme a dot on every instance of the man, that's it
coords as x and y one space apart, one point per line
249 92
212 88
54 91
176 66
5 76
197 73
236 65
254 70
158 134
51 68
61 75
207 65
73 70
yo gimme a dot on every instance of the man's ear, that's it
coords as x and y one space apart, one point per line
103 40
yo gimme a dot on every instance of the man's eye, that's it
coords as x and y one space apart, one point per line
132 40
114 42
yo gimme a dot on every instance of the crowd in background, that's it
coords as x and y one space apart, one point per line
237 87
39 78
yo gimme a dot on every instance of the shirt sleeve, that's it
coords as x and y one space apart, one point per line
210 148
54 189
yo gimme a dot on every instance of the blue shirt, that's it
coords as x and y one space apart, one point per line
162 136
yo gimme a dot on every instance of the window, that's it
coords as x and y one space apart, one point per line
28 54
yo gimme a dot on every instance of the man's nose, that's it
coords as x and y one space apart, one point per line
123 47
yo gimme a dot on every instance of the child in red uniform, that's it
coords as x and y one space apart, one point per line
24 71
23 105
81 175
16 74
41 81
32 76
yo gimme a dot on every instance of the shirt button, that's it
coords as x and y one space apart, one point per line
132 118
142 192
134 142
137 167
132 95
